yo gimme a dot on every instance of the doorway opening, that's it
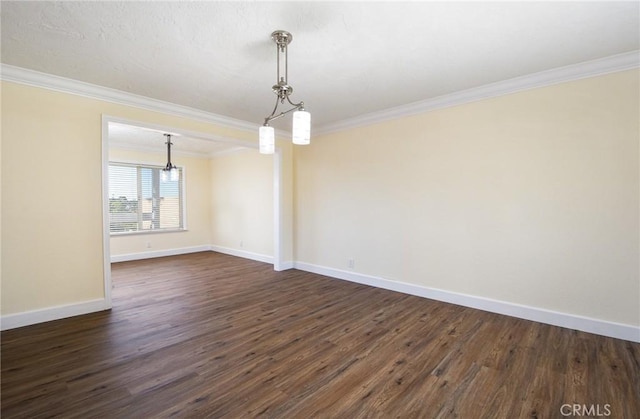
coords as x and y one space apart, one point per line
143 144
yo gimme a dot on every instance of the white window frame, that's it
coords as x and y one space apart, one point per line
182 193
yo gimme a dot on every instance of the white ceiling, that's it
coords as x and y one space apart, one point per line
347 58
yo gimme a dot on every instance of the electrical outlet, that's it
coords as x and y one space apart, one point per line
148 245
241 243
351 263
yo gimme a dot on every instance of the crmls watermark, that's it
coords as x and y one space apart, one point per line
590 410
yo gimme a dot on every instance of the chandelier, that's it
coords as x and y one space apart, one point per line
301 129
170 171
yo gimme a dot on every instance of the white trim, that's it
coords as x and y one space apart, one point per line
289 264
195 249
277 196
106 228
225 152
162 154
75 87
571 321
159 253
243 254
277 213
155 150
26 318
12 321
183 188
181 132
601 66
612 64
183 204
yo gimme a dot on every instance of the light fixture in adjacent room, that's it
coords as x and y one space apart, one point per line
170 171
301 118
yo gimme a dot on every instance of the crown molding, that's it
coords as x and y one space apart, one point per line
179 153
612 64
228 151
79 88
154 150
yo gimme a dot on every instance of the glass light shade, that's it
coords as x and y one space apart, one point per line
175 174
301 127
172 175
267 140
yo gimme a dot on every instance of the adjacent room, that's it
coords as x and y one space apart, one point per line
441 220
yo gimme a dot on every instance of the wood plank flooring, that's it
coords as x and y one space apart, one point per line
211 335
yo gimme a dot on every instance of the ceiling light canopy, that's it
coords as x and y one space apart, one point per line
301 119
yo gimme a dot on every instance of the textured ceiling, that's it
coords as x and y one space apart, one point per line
347 58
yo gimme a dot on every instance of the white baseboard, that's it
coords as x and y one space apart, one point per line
159 253
571 321
195 249
26 318
287 265
12 321
242 253
205 248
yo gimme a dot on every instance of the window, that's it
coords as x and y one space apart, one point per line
141 201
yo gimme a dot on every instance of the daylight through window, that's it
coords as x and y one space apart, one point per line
140 201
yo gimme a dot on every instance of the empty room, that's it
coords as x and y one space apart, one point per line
320 209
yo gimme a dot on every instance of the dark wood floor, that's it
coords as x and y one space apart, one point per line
210 335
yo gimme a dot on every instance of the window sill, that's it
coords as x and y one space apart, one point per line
145 232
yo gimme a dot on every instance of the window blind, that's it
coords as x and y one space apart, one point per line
140 201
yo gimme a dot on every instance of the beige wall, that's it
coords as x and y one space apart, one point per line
529 198
242 201
197 192
51 206
51 167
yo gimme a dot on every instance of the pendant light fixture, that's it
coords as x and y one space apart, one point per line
301 119
170 171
